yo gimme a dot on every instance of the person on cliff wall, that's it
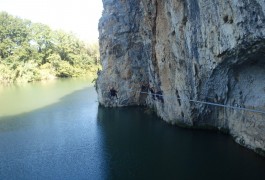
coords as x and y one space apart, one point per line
153 93
156 95
98 72
113 93
144 87
159 96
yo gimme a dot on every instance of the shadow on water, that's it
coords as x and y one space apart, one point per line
141 146
59 141
77 139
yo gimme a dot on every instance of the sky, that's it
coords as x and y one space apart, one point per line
77 16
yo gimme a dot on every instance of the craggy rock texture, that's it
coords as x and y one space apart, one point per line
203 50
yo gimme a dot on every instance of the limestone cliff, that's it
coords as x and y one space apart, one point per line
202 50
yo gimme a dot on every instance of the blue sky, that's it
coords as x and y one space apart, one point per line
78 16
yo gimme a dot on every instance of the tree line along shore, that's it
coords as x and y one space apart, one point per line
34 52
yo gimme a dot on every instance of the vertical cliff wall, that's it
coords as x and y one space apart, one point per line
187 51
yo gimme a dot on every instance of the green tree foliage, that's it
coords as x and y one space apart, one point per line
33 51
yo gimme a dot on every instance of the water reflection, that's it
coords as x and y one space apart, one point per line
17 99
141 146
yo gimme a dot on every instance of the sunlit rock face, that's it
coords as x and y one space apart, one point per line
201 50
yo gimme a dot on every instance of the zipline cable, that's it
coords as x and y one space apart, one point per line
202 102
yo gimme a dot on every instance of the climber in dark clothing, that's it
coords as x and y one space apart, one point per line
113 93
98 72
153 93
144 88
159 96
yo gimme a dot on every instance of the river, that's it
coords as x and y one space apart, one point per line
57 130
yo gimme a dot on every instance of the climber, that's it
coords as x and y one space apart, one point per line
113 93
159 96
98 72
144 87
153 93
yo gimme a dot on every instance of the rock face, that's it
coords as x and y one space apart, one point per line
188 51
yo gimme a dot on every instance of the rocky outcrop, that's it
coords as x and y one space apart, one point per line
188 51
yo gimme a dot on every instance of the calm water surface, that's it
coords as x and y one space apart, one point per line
57 131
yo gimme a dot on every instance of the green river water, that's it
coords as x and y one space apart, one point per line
57 130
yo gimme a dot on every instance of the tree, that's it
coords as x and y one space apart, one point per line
14 33
33 51
42 41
